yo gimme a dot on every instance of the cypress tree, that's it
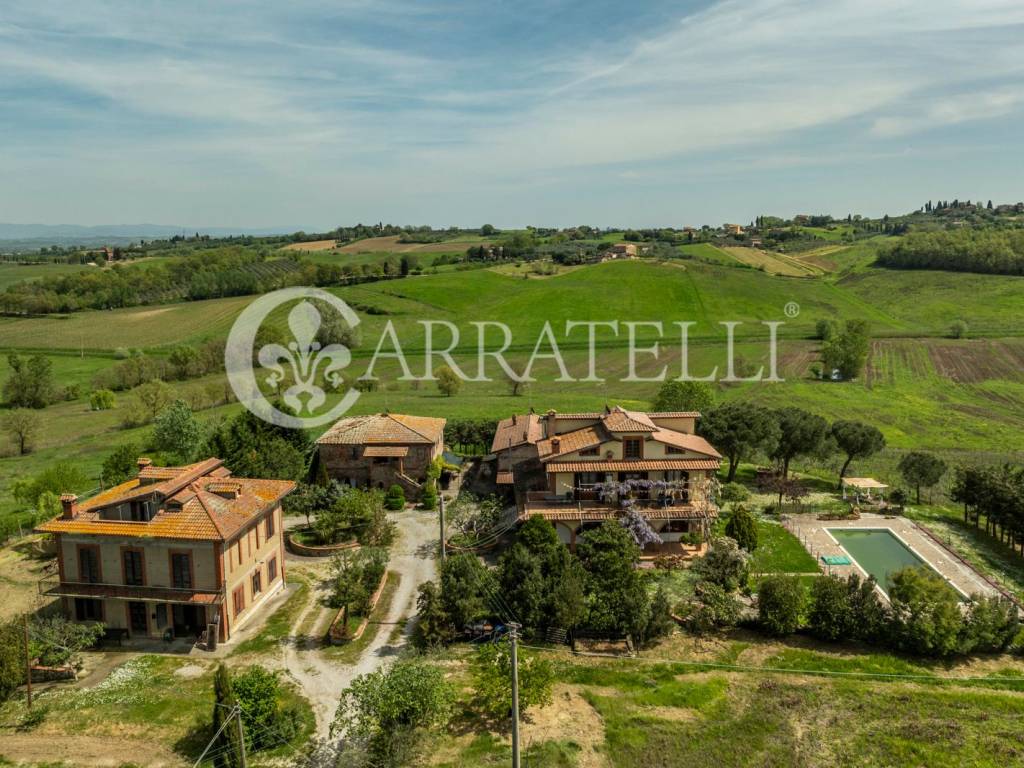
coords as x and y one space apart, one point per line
227 749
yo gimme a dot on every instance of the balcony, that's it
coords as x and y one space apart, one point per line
57 588
583 504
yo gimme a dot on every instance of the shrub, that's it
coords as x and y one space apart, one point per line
101 400
780 604
395 498
830 616
725 564
991 625
958 330
492 680
742 527
925 613
12 658
267 723
735 492
384 711
711 608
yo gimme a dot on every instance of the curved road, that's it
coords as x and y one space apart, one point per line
321 680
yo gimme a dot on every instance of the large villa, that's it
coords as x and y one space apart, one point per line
579 469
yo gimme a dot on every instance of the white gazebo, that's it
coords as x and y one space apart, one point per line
864 485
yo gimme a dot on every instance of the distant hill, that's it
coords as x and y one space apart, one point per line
33 236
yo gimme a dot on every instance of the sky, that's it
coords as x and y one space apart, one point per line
316 113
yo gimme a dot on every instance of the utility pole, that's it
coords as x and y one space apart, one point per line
28 664
444 547
513 638
241 736
236 711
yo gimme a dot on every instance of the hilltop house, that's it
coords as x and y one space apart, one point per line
622 251
382 450
579 469
171 552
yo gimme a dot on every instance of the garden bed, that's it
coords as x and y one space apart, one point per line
298 547
337 635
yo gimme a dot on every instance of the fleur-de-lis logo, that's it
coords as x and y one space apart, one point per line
303 366
305 357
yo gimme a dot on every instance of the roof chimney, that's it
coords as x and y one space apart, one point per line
514 419
552 417
556 443
142 462
69 505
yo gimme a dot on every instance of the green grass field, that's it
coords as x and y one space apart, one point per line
964 398
11 273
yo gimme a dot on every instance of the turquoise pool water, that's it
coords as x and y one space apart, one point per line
877 551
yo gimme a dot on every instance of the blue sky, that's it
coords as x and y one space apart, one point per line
314 113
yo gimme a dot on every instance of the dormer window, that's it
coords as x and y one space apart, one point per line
595 451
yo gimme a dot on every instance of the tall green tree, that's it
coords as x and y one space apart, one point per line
921 470
847 351
857 441
742 527
178 433
31 382
23 426
801 433
616 597
522 584
684 396
739 429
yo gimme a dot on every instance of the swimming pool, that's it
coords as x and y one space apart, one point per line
877 551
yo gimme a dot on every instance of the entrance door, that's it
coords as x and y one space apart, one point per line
188 620
137 622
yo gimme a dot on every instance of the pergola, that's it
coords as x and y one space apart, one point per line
864 485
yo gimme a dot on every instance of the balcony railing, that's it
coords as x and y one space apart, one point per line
586 499
58 588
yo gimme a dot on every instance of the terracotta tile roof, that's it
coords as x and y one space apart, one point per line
190 506
577 440
386 450
384 428
694 443
641 465
674 414
517 430
621 420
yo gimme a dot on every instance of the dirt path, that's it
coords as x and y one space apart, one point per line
321 680
52 749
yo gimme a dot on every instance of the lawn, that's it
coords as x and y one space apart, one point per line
779 551
348 653
835 709
12 273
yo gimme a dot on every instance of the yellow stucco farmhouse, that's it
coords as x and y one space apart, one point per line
172 552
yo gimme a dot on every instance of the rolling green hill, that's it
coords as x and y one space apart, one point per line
963 397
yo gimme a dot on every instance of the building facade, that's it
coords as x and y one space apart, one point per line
172 552
579 469
381 450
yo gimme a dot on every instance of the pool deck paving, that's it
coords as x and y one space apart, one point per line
815 537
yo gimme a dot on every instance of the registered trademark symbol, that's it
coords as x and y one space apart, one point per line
792 309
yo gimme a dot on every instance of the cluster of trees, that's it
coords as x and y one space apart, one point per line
924 615
741 430
31 382
997 494
135 367
989 250
844 348
540 583
337 513
470 436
